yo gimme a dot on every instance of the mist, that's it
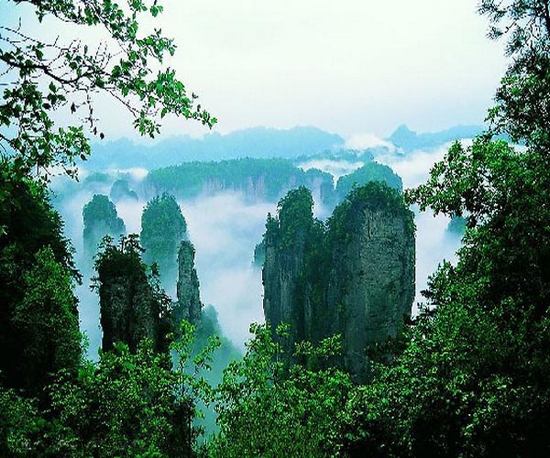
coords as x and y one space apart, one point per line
225 230
226 227
336 168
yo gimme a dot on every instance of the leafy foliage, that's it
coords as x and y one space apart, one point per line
295 218
38 317
265 410
473 378
522 109
43 77
125 405
130 403
46 321
20 423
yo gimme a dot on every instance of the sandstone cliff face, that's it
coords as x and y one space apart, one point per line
132 303
287 242
188 306
355 278
130 306
126 313
372 283
280 276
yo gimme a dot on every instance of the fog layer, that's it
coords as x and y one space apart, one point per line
225 229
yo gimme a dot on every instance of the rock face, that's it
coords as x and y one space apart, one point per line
353 276
100 219
256 180
131 307
372 276
188 306
289 239
163 227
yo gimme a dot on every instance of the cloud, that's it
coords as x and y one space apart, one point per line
365 141
413 168
135 173
433 245
433 242
224 230
130 211
335 167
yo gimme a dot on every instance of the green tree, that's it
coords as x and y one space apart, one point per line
269 411
473 379
522 107
46 321
142 408
36 273
126 404
43 77
20 423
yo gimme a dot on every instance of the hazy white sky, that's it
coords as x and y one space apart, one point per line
348 66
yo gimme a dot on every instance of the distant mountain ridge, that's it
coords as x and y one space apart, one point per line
257 142
408 140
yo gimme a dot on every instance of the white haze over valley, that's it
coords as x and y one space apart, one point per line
225 229
334 167
351 67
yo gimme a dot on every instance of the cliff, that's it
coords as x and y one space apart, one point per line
352 276
287 241
372 278
257 180
163 227
132 307
188 306
100 218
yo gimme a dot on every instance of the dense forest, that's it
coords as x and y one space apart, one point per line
341 366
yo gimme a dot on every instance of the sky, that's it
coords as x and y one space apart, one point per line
356 68
352 67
